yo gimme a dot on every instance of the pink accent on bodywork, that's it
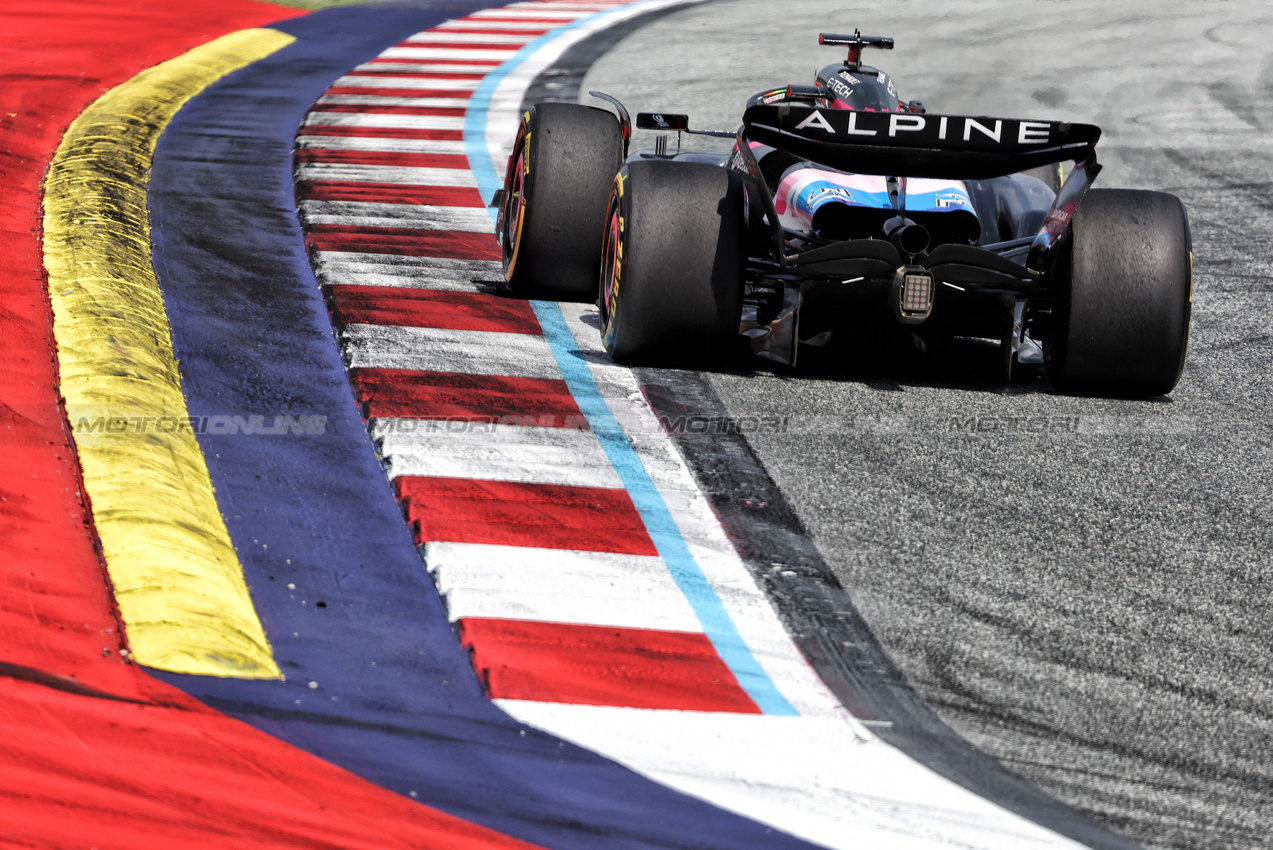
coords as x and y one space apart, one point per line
799 179
869 188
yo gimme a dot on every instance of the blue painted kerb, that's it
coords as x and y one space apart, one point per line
376 681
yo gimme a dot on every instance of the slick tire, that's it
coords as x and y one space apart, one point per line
672 264
554 205
1127 293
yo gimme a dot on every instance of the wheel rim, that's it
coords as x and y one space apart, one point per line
514 210
611 264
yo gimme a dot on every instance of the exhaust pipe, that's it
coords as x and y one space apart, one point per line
909 238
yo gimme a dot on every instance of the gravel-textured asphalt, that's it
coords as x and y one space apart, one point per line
1080 587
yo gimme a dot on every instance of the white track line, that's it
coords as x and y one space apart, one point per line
494 36
538 6
428 280
392 100
391 270
417 216
393 122
448 53
395 145
564 17
469 25
442 350
420 82
522 583
822 779
401 264
359 143
421 222
482 452
424 68
599 6
344 172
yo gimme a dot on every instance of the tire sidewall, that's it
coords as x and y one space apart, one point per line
1126 291
672 273
569 154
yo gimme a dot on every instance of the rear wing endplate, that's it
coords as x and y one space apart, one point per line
901 144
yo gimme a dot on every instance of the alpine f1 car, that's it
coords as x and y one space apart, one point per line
839 201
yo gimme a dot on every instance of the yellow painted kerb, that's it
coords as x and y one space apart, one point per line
178 581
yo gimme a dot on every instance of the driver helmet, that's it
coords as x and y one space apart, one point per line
864 89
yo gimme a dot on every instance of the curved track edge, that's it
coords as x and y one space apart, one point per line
386 289
816 608
376 681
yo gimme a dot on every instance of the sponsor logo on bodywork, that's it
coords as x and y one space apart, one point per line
840 87
971 133
953 200
824 194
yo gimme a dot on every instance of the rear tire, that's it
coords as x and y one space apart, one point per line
672 263
1127 278
554 206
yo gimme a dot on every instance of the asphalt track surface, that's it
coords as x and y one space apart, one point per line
1080 587
859 554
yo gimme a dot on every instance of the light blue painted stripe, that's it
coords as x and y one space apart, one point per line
718 626
665 534
479 155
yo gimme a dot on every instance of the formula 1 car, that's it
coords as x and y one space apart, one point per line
840 202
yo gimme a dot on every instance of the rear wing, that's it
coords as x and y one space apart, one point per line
902 144
908 144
